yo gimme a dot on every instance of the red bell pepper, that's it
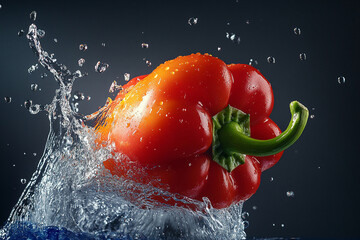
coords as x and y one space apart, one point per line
188 124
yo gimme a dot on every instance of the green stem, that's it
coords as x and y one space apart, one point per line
233 140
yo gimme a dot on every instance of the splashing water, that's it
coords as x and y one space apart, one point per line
71 189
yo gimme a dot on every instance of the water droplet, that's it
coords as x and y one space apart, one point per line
23 181
55 40
290 194
341 80
148 63
192 21
7 99
302 56
271 59
254 207
81 62
273 224
219 48
43 75
127 76
297 31
282 225
20 33
103 44
271 179
83 47
88 98
34 154
312 116
0 6
34 87
33 16
33 68
101 67
246 224
253 62
34 109
145 45
27 104
40 33
245 215
247 21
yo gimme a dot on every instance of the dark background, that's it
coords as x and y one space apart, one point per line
321 168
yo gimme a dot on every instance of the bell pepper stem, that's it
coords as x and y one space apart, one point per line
233 140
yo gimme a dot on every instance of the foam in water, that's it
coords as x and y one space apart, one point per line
71 189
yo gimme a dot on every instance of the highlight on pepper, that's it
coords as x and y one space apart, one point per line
199 126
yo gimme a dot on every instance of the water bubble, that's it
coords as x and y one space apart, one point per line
33 68
271 59
127 76
254 207
34 109
7 99
81 62
0 6
23 181
55 40
273 224
232 37
88 98
271 179
145 45
148 63
41 33
43 75
101 67
282 225
33 16
297 31
312 116
302 56
83 47
103 44
113 87
246 224
28 104
219 48
341 80
290 194
79 96
192 21
253 62
34 87
34 154
245 215
247 21
20 33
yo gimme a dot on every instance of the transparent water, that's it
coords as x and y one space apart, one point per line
72 190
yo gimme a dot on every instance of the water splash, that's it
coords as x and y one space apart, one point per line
71 188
